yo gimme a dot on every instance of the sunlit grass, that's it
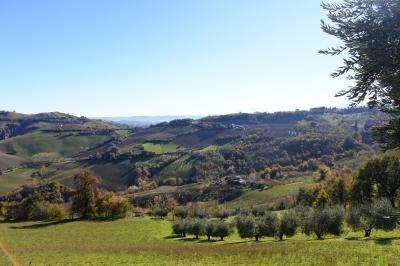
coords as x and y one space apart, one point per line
147 241
161 148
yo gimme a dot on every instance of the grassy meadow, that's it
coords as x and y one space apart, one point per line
15 178
161 148
256 197
148 241
66 145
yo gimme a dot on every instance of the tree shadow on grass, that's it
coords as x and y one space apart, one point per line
39 225
45 224
189 240
240 242
209 241
102 219
173 237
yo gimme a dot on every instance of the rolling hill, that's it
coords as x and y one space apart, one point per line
206 151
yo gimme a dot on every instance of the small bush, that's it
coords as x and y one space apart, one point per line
111 206
11 211
45 211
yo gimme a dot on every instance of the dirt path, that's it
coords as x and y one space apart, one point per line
9 255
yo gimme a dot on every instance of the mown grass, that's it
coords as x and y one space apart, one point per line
146 241
12 180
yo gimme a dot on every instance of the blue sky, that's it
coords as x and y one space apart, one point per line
164 57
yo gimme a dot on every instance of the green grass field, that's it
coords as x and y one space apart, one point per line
4 261
14 179
147 241
161 148
66 145
254 197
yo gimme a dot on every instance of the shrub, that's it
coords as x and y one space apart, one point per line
11 211
45 211
30 209
111 206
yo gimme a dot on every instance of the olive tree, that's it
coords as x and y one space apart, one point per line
369 216
257 227
246 226
287 225
322 221
179 228
221 230
195 226
209 229
266 225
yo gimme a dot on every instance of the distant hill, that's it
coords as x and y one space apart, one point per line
145 120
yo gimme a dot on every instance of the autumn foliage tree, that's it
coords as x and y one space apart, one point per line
86 195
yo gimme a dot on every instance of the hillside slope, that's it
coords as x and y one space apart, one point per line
279 146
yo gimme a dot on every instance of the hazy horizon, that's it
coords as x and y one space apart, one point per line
343 106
